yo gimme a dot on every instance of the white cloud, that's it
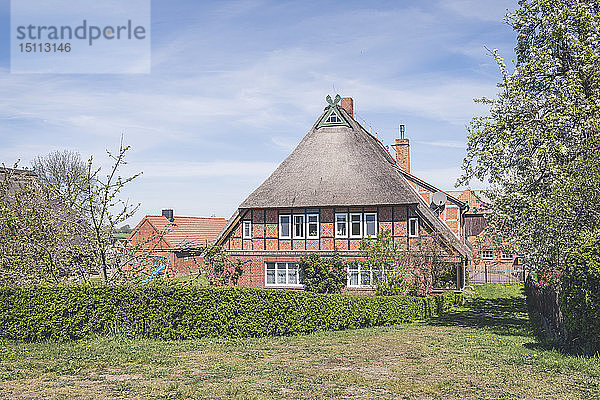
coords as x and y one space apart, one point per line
485 10
444 143
445 178
214 169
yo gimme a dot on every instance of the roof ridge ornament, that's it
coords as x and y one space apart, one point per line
332 116
334 102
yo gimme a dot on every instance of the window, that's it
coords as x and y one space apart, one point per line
333 118
298 226
506 255
370 224
284 227
355 225
413 227
282 274
313 226
341 225
247 229
487 254
358 276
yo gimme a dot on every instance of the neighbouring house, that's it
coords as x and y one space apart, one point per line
17 176
493 261
338 185
176 241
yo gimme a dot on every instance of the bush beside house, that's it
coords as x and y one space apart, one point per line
180 312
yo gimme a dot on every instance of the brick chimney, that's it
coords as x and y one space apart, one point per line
403 151
348 105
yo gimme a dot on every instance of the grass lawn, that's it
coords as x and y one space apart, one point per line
484 350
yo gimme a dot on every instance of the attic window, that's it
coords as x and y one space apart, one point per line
333 118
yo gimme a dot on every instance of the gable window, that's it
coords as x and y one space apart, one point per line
341 225
247 229
298 226
487 254
370 224
356 225
284 227
413 227
333 118
282 274
359 276
312 225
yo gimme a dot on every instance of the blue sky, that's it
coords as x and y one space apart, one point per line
236 85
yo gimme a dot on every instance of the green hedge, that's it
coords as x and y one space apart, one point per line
181 312
580 293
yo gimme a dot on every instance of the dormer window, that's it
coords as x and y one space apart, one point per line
333 118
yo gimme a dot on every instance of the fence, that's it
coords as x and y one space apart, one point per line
493 273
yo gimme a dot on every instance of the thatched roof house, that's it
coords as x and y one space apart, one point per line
337 169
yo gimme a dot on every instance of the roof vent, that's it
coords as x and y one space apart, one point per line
168 214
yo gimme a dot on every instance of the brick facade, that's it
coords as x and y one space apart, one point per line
267 246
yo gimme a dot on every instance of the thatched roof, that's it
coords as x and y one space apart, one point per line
341 165
334 166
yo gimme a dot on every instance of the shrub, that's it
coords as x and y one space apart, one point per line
580 292
388 263
323 274
180 312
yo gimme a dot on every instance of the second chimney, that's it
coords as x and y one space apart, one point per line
403 151
168 214
348 105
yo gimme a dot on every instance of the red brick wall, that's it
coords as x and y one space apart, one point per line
265 245
265 229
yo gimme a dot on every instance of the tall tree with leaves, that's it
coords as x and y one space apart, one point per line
538 147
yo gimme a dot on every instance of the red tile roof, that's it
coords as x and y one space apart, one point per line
187 231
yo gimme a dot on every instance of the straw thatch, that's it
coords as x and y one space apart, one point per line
334 166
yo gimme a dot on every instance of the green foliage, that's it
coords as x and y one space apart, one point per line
68 312
580 292
538 146
389 265
323 274
219 268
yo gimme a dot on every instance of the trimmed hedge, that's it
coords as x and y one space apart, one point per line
68 312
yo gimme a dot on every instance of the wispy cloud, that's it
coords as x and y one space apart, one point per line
245 80
444 143
214 169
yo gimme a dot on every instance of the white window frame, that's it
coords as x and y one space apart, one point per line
278 267
483 252
504 253
335 227
365 222
247 223
303 226
416 233
360 223
308 223
289 236
329 120
359 270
